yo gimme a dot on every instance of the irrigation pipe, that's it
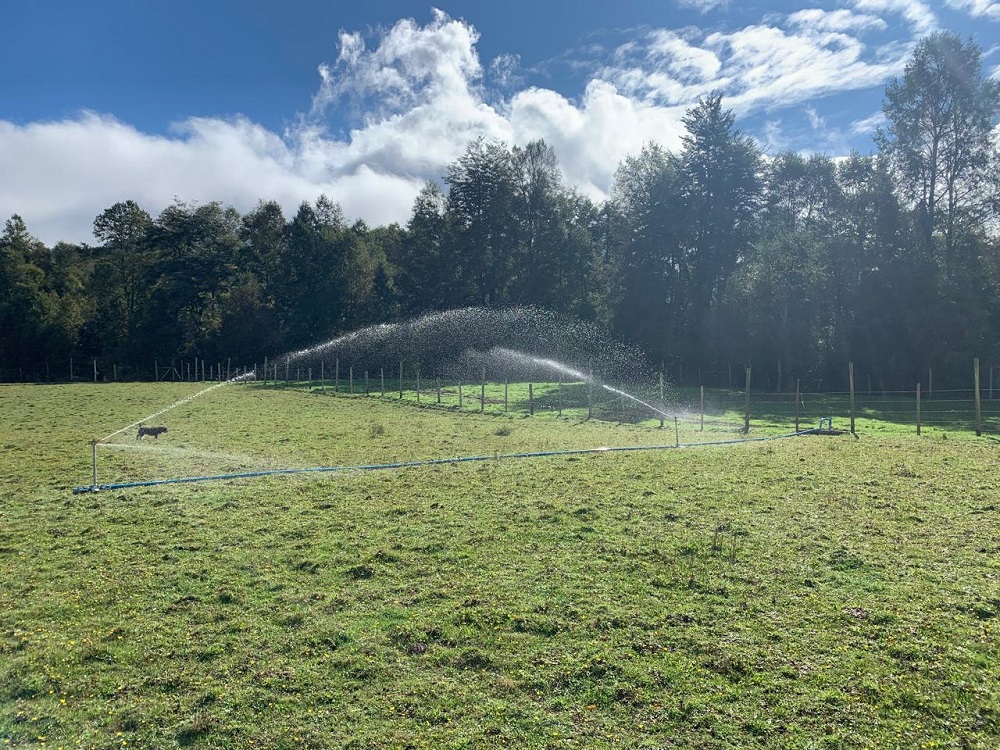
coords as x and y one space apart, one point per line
431 462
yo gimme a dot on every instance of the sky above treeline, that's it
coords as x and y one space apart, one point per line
241 100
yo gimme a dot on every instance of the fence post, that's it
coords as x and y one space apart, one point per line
701 428
930 382
918 409
401 379
366 382
559 395
287 361
482 393
310 378
850 377
798 401
381 374
661 398
336 375
93 459
979 405
418 385
505 386
322 374
590 392
746 405
350 379
460 394
677 433
71 369
438 384
531 400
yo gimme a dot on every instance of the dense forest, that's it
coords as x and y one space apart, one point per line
711 255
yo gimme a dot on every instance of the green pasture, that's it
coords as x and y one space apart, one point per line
811 592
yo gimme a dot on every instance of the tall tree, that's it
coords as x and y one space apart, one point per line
119 284
481 203
938 139
644 233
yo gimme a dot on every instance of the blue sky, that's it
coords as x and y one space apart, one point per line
238 100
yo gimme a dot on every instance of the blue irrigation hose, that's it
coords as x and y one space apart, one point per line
427 462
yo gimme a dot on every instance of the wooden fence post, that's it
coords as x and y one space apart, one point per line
590 392
401 378
531 400
798 401
336 375
381 375
746 405
701 427
559 395
850 377
661 398
438 383
366 382
918 409
459 394
979 404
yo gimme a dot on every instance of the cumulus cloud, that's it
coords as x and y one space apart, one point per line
62 174
422 94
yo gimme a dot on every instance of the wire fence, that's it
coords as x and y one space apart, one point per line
695 409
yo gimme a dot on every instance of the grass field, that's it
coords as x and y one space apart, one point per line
825 592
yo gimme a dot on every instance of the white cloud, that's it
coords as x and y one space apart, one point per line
759 67
842 20
683 60
868 125
62 174
917 13
703 6
422 94
977 8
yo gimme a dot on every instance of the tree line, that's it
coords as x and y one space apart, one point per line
709 255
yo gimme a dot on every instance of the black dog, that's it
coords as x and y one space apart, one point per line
154 431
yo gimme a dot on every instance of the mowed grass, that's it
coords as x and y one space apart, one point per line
811 592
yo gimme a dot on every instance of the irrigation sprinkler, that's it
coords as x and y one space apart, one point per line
436 462
93 460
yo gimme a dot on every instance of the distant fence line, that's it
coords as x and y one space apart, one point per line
974 408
